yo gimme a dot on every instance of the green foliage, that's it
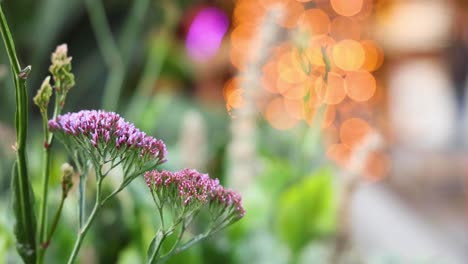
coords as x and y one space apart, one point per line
25 241
306 210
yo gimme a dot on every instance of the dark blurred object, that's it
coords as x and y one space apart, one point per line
458 56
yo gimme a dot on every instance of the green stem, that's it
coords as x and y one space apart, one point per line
109 51
48 140
83 231
185 246
58 213
45 187
25 214
115 61
326 60
82 199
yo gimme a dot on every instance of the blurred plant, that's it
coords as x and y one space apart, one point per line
116 54
193 140
184 195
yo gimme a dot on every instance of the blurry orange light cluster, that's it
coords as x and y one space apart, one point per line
324 60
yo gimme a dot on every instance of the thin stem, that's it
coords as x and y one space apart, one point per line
115 61
105 41
83 231
48 140
161 215
22 186
114 193
185 246
326 60
82 198
45 188
58 213
109 51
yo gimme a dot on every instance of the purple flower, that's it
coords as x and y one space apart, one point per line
109 134
189 187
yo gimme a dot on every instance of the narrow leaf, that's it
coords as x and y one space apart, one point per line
24 228
154 247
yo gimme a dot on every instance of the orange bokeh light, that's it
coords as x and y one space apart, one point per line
295 108
314 22
374 56
269 77
231 85
247 11
345 28
325 114
314 98
377 166
292 11
239 58
339 153
268 4
348 55
290 68
294 91
333 92
277 116
360 85
353 131
242 36
347 7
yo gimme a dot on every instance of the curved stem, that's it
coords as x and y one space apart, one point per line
83 231
185 246
55 221
111 195
176 244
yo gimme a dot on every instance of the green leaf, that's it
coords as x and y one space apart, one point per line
155 246
21 187
24 228
307 210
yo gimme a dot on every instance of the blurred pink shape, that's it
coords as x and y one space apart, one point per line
206 33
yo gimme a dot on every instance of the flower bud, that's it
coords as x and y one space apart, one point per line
61 70
43 95
67 181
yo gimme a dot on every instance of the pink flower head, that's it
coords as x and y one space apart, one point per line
189 187
109 134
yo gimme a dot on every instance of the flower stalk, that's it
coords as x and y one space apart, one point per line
185 194
25 226
64 80
103 140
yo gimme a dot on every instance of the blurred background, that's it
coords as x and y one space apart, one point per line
343 123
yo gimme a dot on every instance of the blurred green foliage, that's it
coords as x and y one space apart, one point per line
314 198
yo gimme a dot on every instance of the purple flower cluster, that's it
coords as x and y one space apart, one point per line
192 187
101 128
